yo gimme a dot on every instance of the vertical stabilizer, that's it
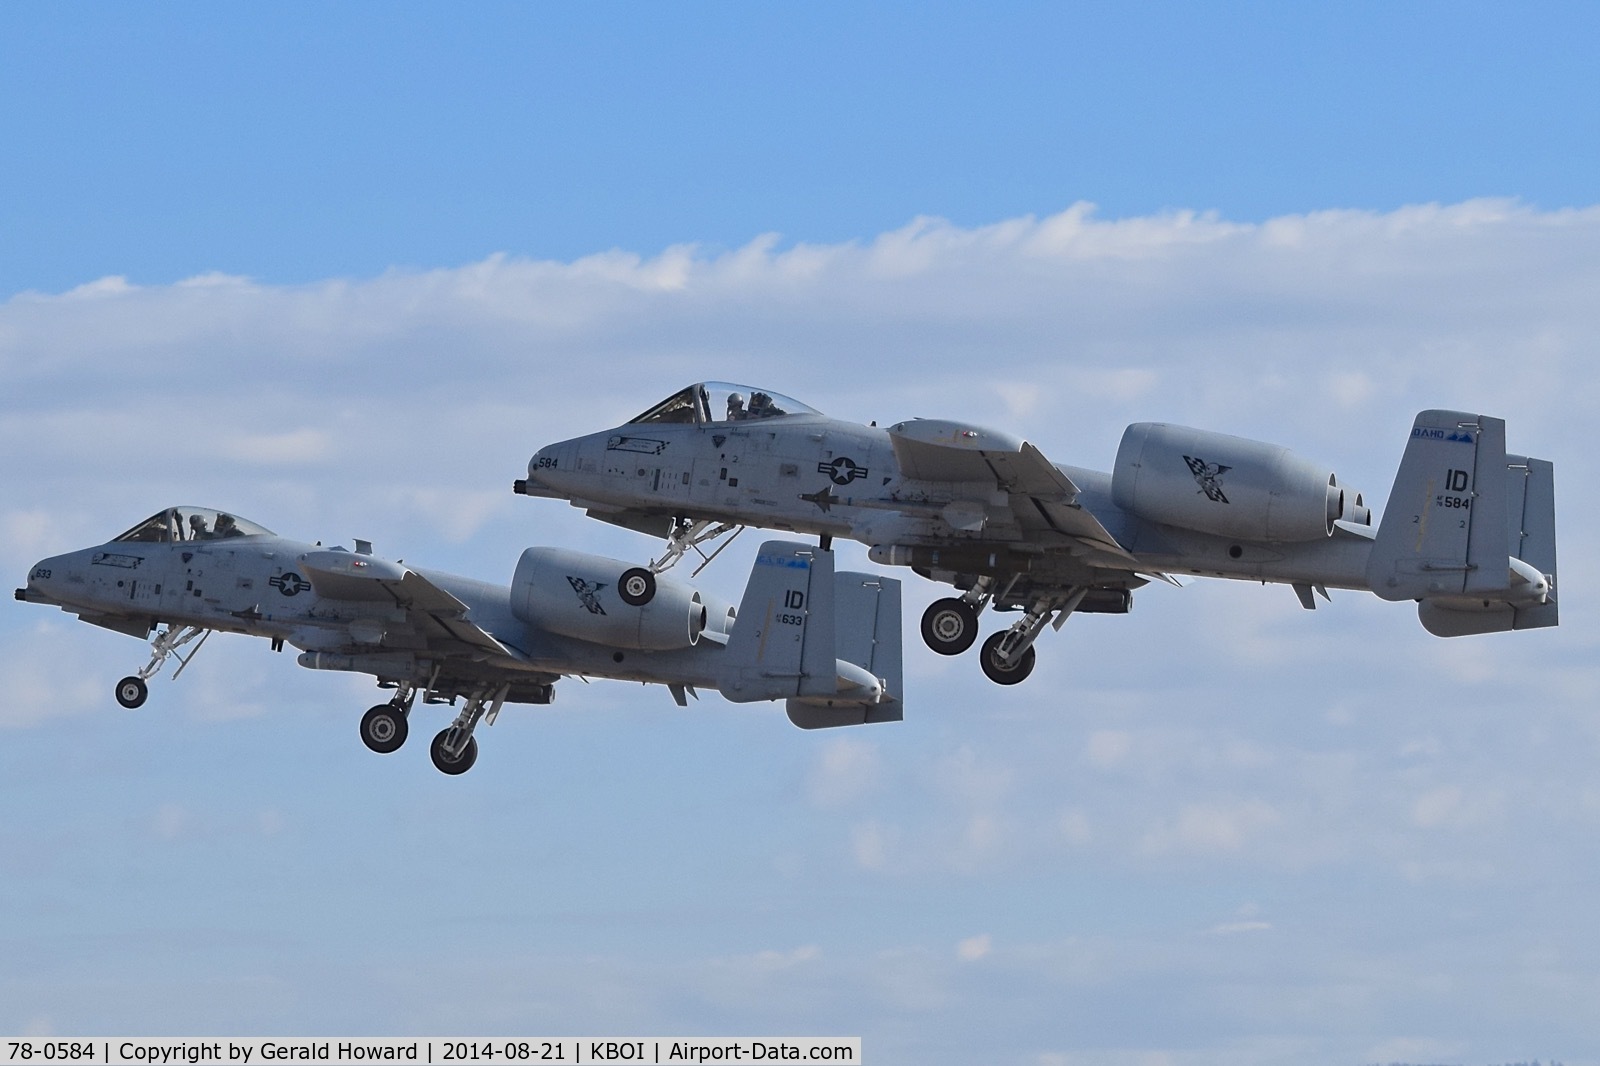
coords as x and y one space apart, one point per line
1469 531
1444 528
783 638
866 635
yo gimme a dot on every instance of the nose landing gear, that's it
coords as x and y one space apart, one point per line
132 691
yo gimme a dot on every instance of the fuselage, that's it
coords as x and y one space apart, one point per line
258 584
809 473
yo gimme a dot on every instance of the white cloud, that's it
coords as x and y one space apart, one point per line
1218 727
1437 805
974 948
296 446
1207 828
38 687
846 772
1109 747
869 843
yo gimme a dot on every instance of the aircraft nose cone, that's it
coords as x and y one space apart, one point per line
45 576
550 463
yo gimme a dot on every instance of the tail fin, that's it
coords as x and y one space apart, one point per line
1469 532
866 635
786 639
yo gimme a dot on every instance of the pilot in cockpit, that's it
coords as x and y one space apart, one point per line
761 406
197 528
736 411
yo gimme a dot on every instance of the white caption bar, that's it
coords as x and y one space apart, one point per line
446 1051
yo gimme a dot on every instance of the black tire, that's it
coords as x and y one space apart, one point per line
637 586
131 692
384 729
458 765
1005 674
949 626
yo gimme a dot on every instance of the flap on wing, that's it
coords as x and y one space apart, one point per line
469 633
438 617
935 450
1030 473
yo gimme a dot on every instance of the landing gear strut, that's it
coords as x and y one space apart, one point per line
455 749
691 533
132 690
1007 657
1005 671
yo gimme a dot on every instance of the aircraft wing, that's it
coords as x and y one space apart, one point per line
1042 499
435 618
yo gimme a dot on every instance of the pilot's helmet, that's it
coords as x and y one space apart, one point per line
735 402
197 521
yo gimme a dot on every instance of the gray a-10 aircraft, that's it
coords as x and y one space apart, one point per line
828 643
1469 531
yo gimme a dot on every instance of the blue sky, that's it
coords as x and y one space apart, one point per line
343 271
298 142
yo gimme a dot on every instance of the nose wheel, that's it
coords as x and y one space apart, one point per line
637 586
131 692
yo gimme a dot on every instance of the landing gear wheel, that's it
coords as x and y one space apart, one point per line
131 692
448 764
1004 673
949 626
637 586
384 729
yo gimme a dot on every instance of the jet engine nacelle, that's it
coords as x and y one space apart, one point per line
1224 485
576 595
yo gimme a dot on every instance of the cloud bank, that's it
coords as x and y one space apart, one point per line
1309 834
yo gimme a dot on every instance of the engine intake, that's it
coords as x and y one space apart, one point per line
1227 486
575 594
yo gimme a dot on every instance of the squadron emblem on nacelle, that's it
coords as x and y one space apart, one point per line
1209 477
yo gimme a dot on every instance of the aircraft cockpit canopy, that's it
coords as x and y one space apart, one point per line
718 401
177 524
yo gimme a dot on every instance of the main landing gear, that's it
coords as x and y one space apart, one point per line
384 728
950 626
455 749
132 690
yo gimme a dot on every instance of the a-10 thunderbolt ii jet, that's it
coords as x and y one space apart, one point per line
828 643
1469 531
